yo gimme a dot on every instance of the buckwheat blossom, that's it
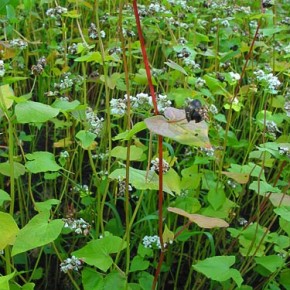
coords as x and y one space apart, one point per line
118 106
162 102
225 23
284 151
56 12
79 226
155 165
269 80
95 123
18 43
232 183
72 263
39 67
287 108
191 63
93 33
73 48
199 83
235 76
153 242
208 151
272 127
122 187
242 221
2 68
82 189
213 109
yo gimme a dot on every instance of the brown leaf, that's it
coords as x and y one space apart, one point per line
200 220
241 178
280 199
177 128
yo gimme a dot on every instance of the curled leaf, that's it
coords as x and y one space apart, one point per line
200 220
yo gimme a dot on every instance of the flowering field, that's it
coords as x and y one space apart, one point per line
144 145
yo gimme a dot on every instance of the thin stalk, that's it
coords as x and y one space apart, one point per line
160 151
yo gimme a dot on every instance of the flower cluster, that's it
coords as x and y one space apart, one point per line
155 165
93 33
72 263
285 151
269 80
18 43
67 81
141 101
208 151
2 68
153 242
234 76
271 127
79 226
39 67
56 12
83 190
122 187
232 183
199 83
95 123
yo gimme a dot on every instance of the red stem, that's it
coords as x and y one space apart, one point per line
160 152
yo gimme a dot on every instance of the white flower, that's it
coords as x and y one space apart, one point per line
72 263
2 68
155 165
79 226
235 76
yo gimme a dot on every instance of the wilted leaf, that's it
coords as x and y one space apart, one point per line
177 128
241 178
280 199
200 220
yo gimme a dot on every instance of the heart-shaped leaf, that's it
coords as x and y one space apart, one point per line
200 220
177 128
38 232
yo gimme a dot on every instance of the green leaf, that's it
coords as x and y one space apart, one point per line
175 66
90 57
34 112
141 179
178 129
39 231
18 170
46 205
41 161
284 212
127 135
4 196
216 87
8 230
172 180
216 198
97 252
271 262
4 281
146 280
65 106
6 101
121 152
91 279
86 138
285 278
114 280
218 269
138 264
263 187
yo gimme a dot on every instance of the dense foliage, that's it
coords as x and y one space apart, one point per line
79 153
